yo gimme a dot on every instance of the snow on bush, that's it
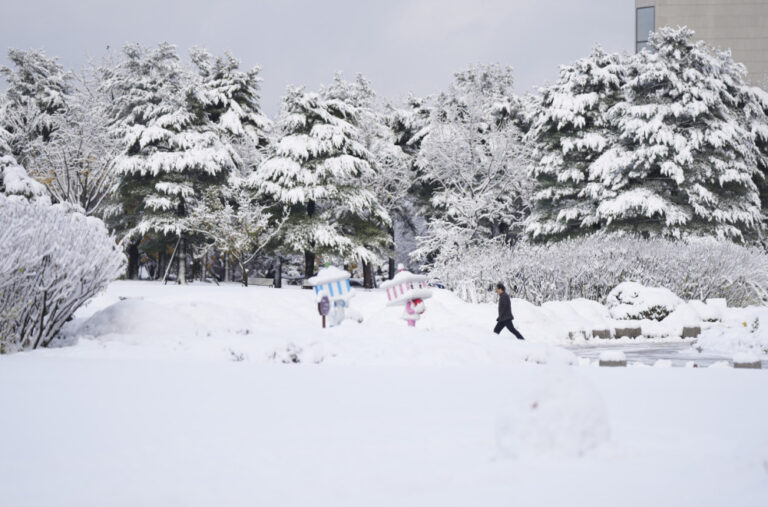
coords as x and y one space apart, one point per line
592 266
633 301
51 263
14 180
563 415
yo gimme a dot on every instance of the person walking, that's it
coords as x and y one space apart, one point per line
505 313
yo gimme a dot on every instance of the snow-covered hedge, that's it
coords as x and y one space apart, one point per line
633 301
593 266
51 262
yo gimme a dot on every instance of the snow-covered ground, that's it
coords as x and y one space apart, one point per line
180 397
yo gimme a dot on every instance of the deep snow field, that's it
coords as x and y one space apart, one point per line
206 395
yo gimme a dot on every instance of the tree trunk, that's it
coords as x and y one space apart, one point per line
243 273
368 279
227 269
392 265
309 257
309 264
133 261
182 276
277 281
160 265
195 272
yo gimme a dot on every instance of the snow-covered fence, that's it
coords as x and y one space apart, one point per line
591 267
51 262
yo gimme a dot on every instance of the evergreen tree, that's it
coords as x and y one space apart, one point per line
317 167
172 151
230 100
391 177
755 106
37 92
411 123
686 162
570 130
14 179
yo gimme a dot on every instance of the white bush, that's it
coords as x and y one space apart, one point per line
633 301
591 267
51 262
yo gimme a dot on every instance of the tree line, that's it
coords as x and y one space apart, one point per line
179 160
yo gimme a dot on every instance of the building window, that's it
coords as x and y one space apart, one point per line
646 24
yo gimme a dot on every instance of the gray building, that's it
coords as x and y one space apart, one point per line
741 25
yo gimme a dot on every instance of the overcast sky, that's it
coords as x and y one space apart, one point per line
400 45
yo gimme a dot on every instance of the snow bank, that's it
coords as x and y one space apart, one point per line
744 330
260 324
613 356
266 325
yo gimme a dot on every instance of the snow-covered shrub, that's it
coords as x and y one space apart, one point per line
591 267
14 180
633 301
51 262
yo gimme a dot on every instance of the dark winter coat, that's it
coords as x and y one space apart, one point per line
505 308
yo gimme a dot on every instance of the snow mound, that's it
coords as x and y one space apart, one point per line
745 330
133 317
633 301
745 357
263 325
685 315
136 321
564 415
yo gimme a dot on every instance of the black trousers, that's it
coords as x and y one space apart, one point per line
508 324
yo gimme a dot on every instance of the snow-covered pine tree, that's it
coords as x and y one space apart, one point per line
173 153
230 99
318 166
410 123
13 178
755 107
687 162
477 164
37 92
391 176
569 129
